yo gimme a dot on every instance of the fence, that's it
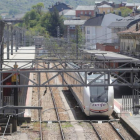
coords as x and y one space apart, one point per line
130 102
9 100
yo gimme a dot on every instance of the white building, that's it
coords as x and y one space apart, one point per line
97 31
71 14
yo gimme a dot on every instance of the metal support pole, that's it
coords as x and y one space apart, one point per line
2 24
7 41
11 40
58 32
68 33
16 39
24 39
77 42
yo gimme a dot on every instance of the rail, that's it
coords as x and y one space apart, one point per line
39 104
96 131
119 134
56 110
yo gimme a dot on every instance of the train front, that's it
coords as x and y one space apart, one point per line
101 99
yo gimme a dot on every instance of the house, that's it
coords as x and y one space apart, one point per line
59 6
122 24
97 31
105 9
61 13
132 5
86 12
71 27
129 41
70 14
100 3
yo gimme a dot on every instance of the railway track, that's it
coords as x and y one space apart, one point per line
55 108
106 130
92 129
39 104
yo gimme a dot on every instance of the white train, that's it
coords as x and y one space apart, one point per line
94 101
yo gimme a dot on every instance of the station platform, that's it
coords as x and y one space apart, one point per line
131 121
24 93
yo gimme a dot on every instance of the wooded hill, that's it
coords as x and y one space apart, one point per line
14 7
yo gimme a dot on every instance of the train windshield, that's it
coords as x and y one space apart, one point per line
98 94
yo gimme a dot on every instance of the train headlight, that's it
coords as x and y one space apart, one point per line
92 99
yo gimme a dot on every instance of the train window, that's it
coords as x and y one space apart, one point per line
98 94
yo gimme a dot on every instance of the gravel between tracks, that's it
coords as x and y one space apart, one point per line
89 133
56 92
123 131
69 131
106 131
51 131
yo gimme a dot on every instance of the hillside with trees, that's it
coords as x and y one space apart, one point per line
14 7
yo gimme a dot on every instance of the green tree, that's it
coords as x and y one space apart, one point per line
124 11
55 22
38 7
26 19
81 37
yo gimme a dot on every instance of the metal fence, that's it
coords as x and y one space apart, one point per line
9 100
130 103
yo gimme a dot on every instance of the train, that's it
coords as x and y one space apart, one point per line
93 100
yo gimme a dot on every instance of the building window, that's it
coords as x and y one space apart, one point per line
81 12
137 48
85 13
89 13
88 40
116 47
88 31
124 45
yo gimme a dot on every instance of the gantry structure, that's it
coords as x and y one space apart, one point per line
58 52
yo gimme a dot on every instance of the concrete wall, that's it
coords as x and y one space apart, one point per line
111 48
105 9
93 37
85 12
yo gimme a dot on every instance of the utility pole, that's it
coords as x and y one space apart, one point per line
16 39
68 33
77 42
2 24
11 40
7 41
58 32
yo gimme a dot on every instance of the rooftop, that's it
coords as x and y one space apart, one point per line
95 21
103 1
70 12
74 22
110 56
59 6
132 4
63 12
131 30
85 8
119 24
125 22
104 5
